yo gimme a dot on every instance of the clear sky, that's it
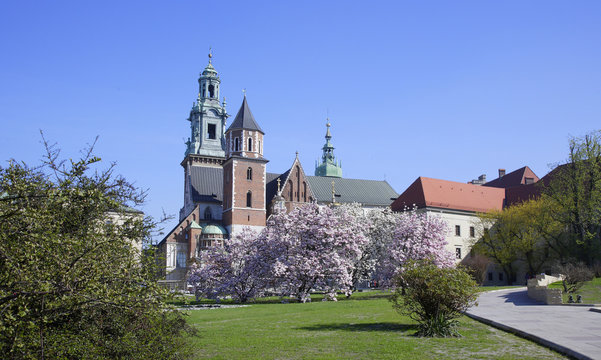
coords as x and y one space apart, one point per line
443 89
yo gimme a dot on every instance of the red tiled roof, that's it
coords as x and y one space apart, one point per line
450 195
514 178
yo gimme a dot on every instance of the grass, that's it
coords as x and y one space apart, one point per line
590 291
351 329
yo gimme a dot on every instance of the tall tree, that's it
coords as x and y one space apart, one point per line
575 190
522 233
71 283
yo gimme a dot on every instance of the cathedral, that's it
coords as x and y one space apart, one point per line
227 186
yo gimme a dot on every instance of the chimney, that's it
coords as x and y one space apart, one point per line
501 173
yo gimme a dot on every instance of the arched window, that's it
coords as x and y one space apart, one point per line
211 91
304 191
249 198
250 144
208 214
259 148
236 144
291 190
249 174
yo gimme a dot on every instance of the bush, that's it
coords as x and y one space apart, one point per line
575 276
434 297
73 283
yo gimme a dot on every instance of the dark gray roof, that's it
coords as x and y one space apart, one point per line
366 192
207 184
271 186
245 119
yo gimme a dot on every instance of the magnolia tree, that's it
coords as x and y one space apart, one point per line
378 227
228 270
311 248
416 236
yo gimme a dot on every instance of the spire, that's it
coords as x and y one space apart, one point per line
245 119
328 165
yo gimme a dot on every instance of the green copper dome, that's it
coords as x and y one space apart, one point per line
214 230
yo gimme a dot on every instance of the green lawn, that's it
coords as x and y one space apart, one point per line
590 291
364 328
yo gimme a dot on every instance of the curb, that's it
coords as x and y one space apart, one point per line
595 310
549 344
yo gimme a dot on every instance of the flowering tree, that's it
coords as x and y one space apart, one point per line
378 226
228 270
416 237
308 249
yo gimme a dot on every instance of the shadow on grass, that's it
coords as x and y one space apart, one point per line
380 326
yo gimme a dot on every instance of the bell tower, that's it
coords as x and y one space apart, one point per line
205 148
207 117
244 174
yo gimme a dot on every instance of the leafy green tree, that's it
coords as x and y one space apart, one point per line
525 233
72 282
575 190
435 296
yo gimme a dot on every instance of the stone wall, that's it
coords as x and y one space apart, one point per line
538 290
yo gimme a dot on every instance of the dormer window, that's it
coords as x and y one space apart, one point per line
250 144
208 214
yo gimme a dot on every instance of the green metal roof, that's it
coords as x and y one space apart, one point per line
214 230
194 225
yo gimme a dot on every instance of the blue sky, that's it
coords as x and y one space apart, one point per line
441 89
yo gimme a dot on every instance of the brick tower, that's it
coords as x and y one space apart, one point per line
244 174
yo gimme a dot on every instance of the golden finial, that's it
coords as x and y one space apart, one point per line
210 54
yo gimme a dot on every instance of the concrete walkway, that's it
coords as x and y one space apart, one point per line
572 330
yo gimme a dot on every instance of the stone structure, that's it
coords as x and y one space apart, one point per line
538 289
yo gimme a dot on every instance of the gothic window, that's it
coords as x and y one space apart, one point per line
181 259
298 184
249 197
211 91
291 190
208 214
304 191
211 131
236 144
250 144
249 174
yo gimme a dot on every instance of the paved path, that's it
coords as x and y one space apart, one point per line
572 330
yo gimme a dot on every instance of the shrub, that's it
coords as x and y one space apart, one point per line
434 297
575 276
